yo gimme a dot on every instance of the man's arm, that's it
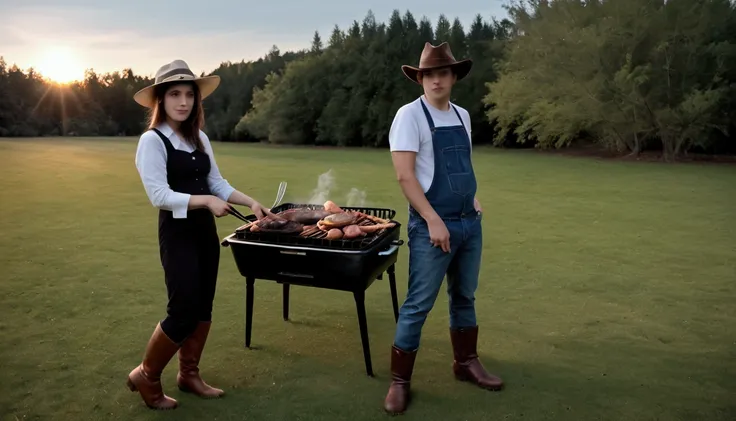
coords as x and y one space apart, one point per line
404 167
466 120
404 138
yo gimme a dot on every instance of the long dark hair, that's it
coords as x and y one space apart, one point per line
190 127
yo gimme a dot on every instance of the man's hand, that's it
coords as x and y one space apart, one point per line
438 234
476 203
404 165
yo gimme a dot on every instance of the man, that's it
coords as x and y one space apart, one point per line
431 148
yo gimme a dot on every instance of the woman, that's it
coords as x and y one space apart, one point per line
177 166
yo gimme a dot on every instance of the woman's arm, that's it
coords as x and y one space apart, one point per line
240 198
150 160
221 188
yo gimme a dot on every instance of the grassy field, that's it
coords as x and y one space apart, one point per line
607 293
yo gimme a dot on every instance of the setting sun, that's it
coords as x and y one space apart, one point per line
60 65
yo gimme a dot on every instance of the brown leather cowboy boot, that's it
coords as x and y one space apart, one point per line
467 366
402 366
146 378
189 355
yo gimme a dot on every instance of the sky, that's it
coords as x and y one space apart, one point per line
65 37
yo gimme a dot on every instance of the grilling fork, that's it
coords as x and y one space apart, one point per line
280 194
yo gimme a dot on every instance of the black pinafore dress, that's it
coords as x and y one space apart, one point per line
189 247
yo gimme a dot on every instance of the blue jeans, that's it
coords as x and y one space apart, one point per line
427 268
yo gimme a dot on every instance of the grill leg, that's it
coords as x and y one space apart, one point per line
360 306
394 299
286 302
249 282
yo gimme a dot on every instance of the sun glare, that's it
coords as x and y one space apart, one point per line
60 65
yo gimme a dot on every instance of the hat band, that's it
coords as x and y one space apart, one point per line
173 73
437 62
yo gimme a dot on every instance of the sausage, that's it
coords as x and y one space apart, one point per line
352 231
374 228
334 234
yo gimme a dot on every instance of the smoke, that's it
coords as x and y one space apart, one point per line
325 190
356 198
325 183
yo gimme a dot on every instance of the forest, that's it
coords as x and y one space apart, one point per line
624 75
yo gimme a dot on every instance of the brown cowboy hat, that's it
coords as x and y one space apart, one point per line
176 71
437 57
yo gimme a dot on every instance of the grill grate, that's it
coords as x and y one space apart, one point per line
315 237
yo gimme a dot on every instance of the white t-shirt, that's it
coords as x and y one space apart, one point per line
410 132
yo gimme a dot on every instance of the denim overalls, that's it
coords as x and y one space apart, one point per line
452 195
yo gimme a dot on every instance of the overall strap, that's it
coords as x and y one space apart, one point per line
458 115
426 113
429 117
167 142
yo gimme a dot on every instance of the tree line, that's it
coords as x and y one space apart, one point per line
628 75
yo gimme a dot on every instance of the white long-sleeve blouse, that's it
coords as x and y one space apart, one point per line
150 160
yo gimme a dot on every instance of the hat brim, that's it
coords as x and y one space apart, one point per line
461 68
206 84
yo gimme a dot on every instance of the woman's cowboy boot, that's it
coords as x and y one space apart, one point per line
146 378
189 355
402 365
467 366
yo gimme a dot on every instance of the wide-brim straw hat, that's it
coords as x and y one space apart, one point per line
176 71
436 57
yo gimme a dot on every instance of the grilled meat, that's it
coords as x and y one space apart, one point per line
331 207
377 227
338 220
353 231
283 226
334 234
330 223
352 224
304 216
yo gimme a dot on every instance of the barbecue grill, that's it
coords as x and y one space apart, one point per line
314 261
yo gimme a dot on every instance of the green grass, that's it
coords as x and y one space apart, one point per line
607 293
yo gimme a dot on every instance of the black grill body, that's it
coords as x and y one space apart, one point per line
343 265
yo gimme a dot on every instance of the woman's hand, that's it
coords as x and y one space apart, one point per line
239 198
217 206
260 212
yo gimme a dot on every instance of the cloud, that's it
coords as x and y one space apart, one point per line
144 34
29 33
